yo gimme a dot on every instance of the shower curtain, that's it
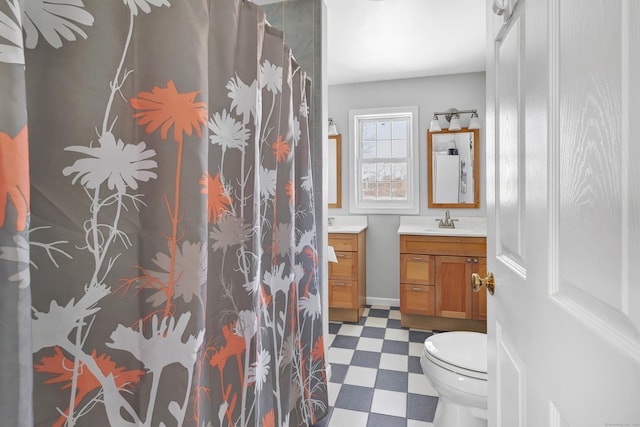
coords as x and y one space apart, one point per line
158 259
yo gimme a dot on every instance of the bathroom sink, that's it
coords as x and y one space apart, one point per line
344 229
458 231
428 226
347 224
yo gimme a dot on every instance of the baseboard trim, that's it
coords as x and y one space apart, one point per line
391 302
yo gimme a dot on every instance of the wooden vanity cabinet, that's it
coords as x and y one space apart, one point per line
347 277
435 282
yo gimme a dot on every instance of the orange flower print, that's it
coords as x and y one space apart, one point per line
218 200
61 369
318 349
166 107
14 176
290 191
269 420
281 149
311 254
265 298
234 347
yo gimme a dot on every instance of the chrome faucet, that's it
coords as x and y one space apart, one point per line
448 222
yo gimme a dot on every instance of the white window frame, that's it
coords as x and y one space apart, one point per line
357 204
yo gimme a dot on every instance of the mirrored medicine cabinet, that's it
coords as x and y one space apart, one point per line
454 168
334 190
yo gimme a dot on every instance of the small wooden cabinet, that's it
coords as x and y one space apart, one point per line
435 282
348 277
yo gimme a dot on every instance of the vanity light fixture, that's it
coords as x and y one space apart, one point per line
454 123
333 130
474 123
435 124
452 115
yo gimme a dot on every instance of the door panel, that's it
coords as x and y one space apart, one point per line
594 170
510 169
511 379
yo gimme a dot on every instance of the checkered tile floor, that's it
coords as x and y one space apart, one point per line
376 377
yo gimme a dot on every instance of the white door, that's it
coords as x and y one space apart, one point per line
563 197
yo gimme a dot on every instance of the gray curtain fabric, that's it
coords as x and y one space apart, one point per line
158 259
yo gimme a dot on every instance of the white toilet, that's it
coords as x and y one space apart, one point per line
456 365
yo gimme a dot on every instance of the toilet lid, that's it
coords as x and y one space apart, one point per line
466 350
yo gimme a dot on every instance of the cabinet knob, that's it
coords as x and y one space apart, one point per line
475 260
468 259
478 282
416 289
417 258
340 284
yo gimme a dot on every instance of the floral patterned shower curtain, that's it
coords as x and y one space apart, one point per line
158 260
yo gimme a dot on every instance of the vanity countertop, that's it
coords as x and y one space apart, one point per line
351 224
466 226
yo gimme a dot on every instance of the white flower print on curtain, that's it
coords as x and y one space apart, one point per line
158 210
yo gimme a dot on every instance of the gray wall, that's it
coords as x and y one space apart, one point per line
439 93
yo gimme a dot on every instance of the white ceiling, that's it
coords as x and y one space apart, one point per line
370 40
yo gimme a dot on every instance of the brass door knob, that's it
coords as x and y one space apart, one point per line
478 282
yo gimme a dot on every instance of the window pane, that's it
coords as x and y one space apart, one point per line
368 172
399 129
369 130
384 190
400 171
384 129
399 148
386 152
369 191
384 148
368 149
399 190
384 172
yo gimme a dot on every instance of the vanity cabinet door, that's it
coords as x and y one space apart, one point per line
453 286
416 269
479 303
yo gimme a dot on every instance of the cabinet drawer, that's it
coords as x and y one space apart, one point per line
346 268
344 242
418 269
343 294
443 245
417 299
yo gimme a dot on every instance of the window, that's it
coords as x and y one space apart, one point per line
384 153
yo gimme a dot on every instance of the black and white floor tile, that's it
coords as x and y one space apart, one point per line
376 378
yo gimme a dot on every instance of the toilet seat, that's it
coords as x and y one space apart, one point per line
464 353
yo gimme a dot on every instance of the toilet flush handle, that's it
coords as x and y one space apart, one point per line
478 282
